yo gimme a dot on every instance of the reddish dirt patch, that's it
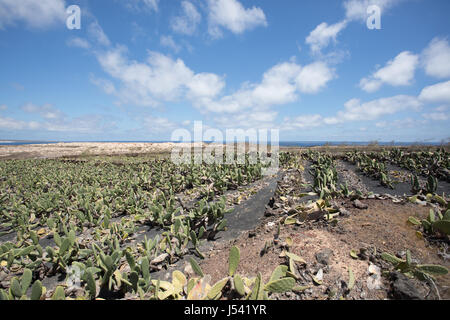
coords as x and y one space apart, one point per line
383 225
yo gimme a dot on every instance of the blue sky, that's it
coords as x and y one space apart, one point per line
139 69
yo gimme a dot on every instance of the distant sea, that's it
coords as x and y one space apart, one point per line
282 143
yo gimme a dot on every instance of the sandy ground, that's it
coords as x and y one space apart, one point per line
86 148
76 149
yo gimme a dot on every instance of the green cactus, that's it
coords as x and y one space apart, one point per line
25 281
36 290
415 186
91 287
59 294
238 285
280 285
278 273
233 262
196 267
422 272
216 291
431 185
351 280
15 288
442 226
258 289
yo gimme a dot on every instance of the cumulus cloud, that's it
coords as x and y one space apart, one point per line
232 15
303 122
437 93
355 10
436 58
159 78
314 77
323 34
187 22
35 14
397 72
372 110
281 84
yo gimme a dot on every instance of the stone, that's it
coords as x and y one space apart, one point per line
323 256
359 205
344 212
403 288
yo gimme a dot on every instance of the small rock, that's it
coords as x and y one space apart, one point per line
403 288
270 224
359 205
159 259
188 269
323 256
252 234
319 275
344 212
269 212
373 269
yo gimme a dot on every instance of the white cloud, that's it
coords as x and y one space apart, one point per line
158 124
252 119
35 14
357 9
313 77
12 124
232 15
303 122
78 42
3 107
372 110
438 93
280 85
167 41
204 85
151 4
96 32
436 58
187 22
46 111
436 116
397 72
160 78
321 36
